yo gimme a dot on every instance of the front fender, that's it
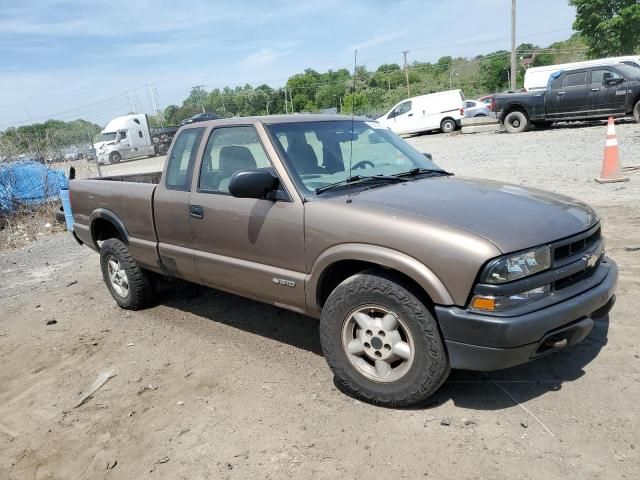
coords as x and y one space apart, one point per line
385 257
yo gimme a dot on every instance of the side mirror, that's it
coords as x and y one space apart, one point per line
253 183
428 155
613 81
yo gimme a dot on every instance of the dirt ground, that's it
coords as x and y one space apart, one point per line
208 385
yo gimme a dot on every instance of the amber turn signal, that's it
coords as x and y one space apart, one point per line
483 303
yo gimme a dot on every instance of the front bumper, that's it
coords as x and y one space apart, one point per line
484 342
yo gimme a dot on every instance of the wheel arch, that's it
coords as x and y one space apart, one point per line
514 107
339 263
448 118
105 224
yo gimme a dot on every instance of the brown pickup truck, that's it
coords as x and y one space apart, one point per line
412 271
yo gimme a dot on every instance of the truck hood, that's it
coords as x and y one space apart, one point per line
509 216
99 145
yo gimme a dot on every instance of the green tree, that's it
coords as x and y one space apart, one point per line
610 27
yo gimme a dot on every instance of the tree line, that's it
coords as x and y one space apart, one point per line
372 92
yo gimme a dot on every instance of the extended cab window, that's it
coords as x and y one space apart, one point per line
575 79
404 107
228 150
183 154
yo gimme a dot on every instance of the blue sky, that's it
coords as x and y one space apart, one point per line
79 59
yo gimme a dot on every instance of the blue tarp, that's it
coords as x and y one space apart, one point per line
28 182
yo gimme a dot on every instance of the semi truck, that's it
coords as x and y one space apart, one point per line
130 136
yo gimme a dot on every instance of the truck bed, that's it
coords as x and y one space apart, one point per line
126 198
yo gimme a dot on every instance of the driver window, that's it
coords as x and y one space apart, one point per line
601 76
228 150
404 107
123 134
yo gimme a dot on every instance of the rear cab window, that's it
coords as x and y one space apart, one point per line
182 158
575 79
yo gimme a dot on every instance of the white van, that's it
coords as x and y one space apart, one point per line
536 78
436 111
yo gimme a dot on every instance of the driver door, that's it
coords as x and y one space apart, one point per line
124 144
248 246
401 118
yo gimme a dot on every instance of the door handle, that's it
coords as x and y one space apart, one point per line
410 115
561 93
196 211
595 89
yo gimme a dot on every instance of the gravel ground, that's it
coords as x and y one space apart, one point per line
208 385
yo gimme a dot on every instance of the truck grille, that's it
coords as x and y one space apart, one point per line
572 249
575 246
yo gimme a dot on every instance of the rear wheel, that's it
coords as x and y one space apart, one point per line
636 112
516 122
115 157
130 286
59 214
381 342
447 125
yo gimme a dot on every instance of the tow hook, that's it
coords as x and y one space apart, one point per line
555 343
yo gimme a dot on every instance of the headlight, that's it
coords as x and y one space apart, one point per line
513 267
498 304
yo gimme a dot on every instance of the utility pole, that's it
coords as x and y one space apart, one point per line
286 103
406 70
153 98
133 102
512 85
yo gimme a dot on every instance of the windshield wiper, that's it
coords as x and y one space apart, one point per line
419 171
360 178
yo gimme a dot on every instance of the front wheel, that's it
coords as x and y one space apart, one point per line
130 286
115 157
381 342
636 111
447 125
516 122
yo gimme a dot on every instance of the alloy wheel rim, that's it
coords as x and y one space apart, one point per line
378 343
117 277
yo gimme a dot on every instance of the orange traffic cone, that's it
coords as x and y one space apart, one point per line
611 171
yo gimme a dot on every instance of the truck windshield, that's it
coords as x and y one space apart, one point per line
109 136
318 153
629 71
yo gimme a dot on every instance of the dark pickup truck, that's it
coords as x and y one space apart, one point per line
588 93
412 271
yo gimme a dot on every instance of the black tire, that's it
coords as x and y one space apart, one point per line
542 125
429 367
162 149
59 213
516 122
447 125
115 157
636 112
141 283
